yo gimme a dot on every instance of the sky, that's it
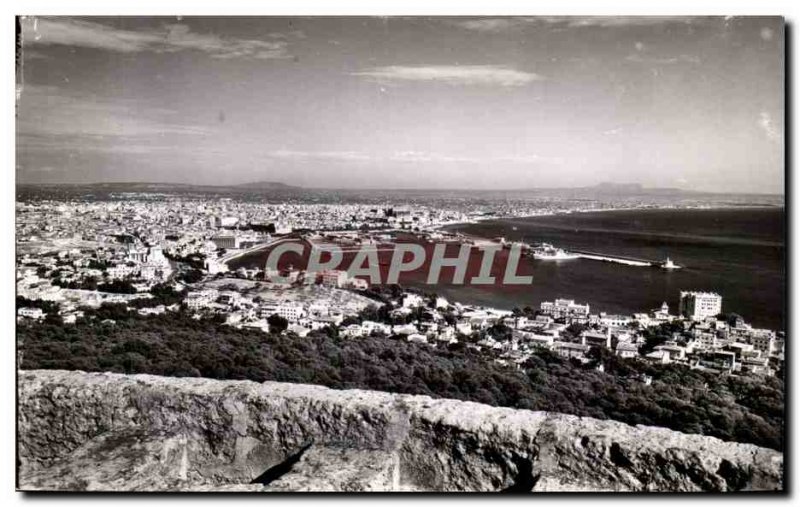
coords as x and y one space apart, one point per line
427 102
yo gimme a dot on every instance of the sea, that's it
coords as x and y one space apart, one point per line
739 253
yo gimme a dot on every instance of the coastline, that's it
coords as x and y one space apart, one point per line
605 210
694 278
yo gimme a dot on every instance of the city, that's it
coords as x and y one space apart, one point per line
77 255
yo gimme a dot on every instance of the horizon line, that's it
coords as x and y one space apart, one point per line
459 189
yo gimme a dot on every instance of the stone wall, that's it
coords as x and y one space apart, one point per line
95 431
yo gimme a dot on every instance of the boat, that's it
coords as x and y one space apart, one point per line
668 264
547 252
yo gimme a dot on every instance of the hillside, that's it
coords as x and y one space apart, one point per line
728 407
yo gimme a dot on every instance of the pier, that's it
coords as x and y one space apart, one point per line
628 261
240 252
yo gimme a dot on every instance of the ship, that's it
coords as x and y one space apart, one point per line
547 252
668 264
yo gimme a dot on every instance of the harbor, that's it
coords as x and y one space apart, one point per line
548 252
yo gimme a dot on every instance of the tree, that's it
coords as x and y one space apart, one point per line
191 276
277 323
176 344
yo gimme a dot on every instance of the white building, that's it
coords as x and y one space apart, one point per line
535 339
699 305
31 313
417 338
563 308
290 312
627 350
662 313
412 300
464 328
225 221
705 339
596 339
368 327
611 320
200 299
121 271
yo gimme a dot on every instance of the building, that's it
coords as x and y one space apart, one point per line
756 366
412 301
31 313
596 339
674 351
627 350
614 320
200 299
155 256
121 271
333 278
136 254
227 241
357 283
763 340
699 305
565 308
417 338
290 312
571 350
705 339
539 340
230 298
213 266
658 357
719 361
298 330
225 221
662 313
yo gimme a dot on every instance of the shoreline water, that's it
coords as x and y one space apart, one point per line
748 271
604 210
722 265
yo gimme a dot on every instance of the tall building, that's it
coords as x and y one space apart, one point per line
699 305
333 278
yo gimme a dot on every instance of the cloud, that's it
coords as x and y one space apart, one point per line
501 24
768 126
351 156
44 31
617 21
492 75
663 60
50 119
409 156
422 156
492 24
